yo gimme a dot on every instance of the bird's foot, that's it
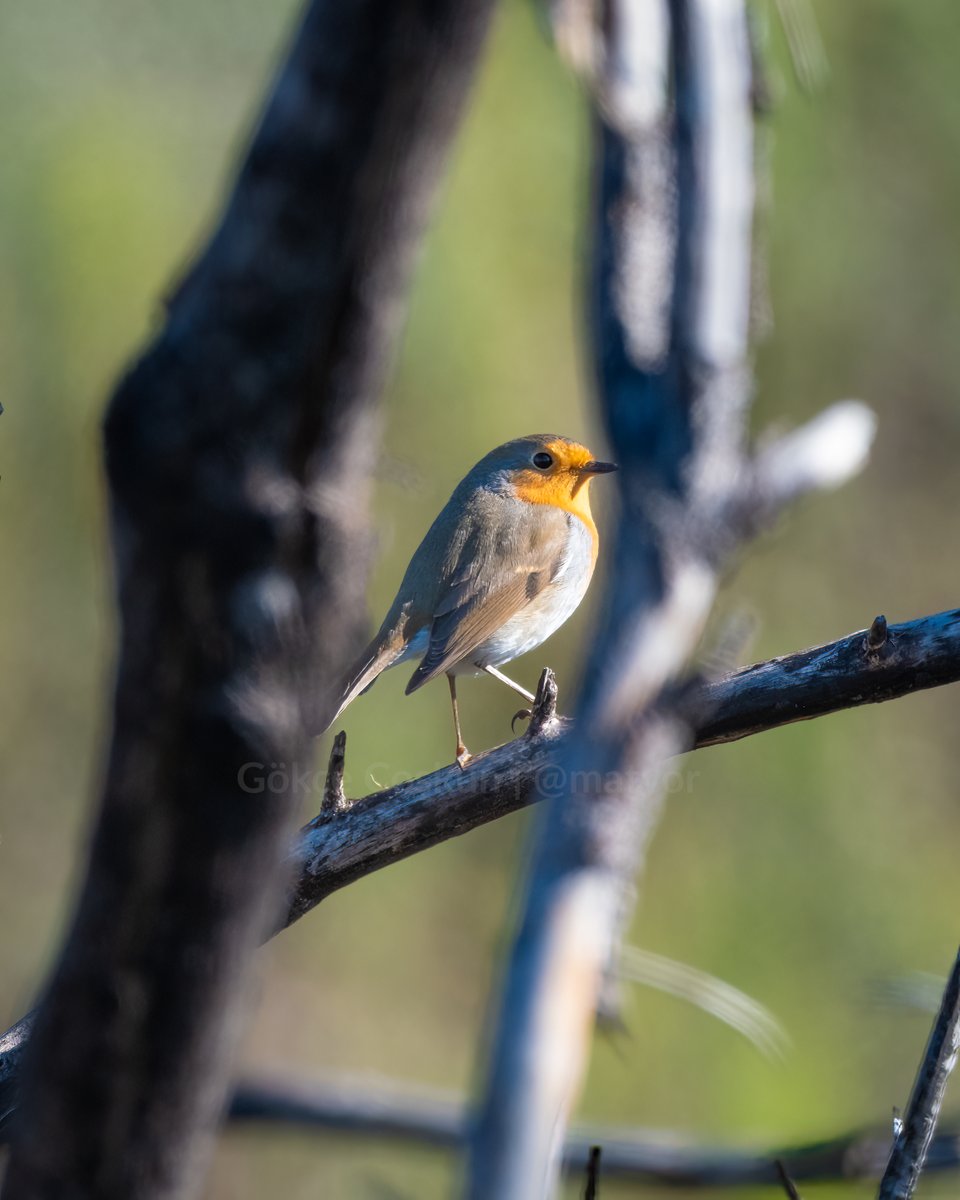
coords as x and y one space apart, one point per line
524 714
543 711
463 756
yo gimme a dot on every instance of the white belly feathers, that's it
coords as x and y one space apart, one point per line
547 612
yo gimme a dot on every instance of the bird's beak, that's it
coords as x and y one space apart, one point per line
598 468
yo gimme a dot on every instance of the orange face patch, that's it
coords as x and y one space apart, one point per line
564 484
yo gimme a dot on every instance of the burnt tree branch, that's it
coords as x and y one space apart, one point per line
383 1109
238 452
390 825
337 848
912 1143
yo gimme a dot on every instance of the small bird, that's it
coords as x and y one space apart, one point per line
505 563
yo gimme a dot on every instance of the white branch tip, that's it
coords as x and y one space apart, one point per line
823 454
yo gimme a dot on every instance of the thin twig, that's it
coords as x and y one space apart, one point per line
920 1120
788 1185
591 1191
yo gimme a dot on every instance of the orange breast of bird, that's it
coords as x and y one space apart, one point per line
563 492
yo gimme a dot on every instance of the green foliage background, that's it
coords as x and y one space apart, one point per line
802 866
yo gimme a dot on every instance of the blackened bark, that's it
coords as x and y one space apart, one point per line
238 453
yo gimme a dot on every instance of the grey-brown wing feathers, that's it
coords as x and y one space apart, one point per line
498 578
481 562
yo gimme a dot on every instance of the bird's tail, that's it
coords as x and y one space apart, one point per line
378 656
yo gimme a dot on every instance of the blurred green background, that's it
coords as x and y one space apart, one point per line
803 866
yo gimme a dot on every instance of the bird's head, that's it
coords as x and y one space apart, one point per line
545 468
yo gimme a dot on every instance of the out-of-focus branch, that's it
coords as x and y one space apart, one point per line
674 214
13 1044
376 1108
238 452
708 993
912 1143
872 665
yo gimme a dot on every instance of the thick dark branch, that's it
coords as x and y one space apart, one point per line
391 825
387 826
230 449
844 674
912 1144
428 1117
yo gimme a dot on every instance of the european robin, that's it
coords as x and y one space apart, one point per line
505 563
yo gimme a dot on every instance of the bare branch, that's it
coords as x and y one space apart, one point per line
381 1108
823 454
920 1121
591 1190
839 675
388 826
12 1046
672 302
789 1186
241 572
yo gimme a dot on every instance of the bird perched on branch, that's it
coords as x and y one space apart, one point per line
505 563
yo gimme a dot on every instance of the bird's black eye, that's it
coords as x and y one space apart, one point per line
543 461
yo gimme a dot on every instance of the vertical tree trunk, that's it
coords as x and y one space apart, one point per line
238 454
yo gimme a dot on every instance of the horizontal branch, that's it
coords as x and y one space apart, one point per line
866 667
431 1117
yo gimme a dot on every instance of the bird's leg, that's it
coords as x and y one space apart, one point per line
463 754
510 683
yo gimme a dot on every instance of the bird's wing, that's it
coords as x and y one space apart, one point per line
497 576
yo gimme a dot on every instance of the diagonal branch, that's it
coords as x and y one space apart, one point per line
390 825
385 827
913 1140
